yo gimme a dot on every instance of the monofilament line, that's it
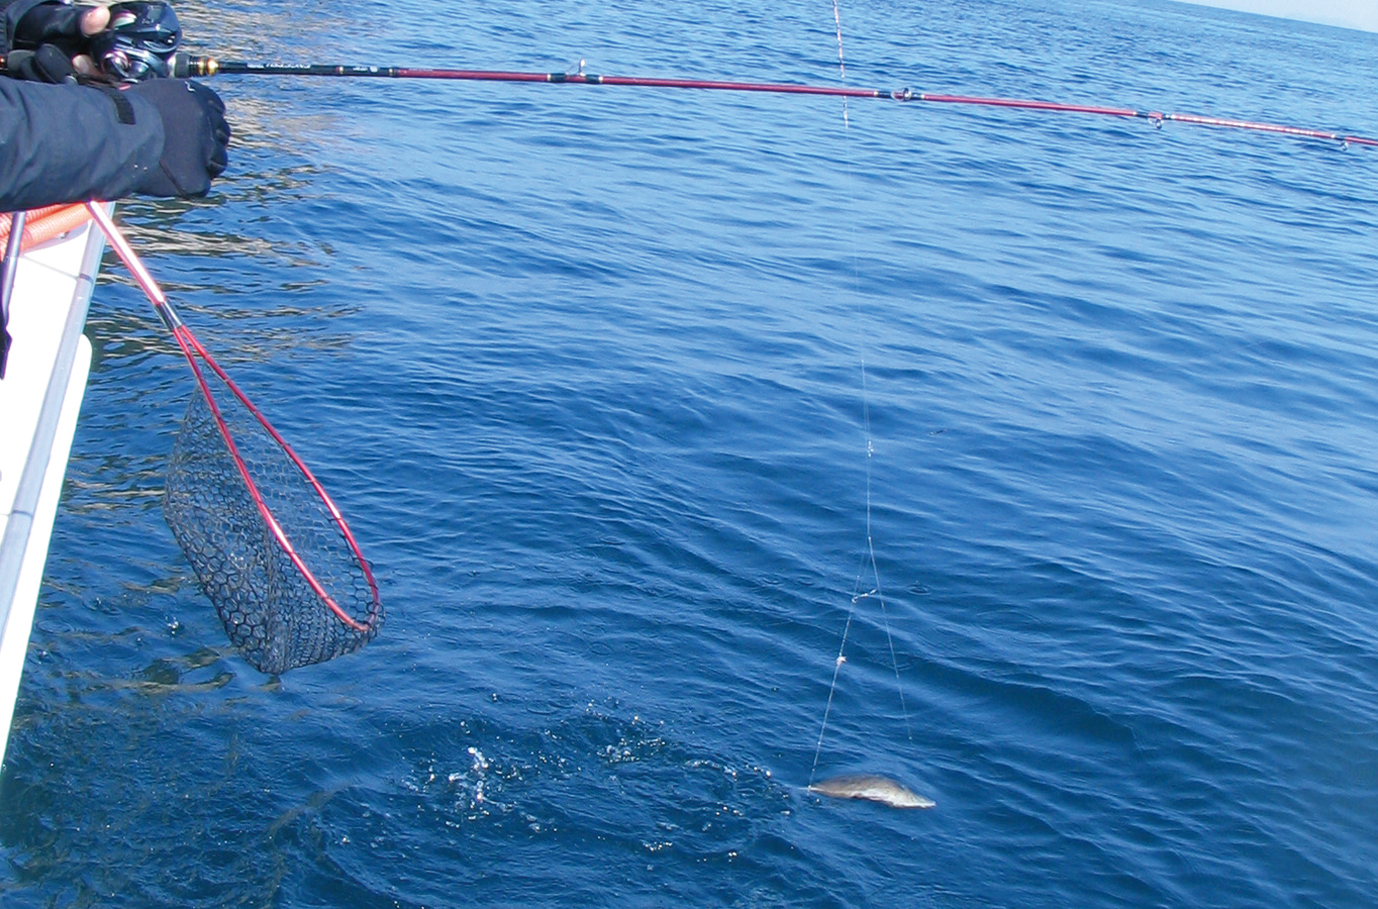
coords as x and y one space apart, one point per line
870 555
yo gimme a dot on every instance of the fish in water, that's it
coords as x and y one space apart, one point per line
872 788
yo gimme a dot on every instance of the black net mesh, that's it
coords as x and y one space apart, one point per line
270 611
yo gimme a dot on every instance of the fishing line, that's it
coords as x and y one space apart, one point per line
858 594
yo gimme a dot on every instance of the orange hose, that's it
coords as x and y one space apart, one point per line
34 214
42 224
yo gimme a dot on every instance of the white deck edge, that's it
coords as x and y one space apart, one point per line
24 545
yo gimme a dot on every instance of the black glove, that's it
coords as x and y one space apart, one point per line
196 137
52 33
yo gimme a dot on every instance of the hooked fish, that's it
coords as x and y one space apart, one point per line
873 788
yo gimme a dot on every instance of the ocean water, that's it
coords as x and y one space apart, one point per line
605 380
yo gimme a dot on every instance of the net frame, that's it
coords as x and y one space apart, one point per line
366 622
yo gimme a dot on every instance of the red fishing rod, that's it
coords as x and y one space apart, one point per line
185 65
143 38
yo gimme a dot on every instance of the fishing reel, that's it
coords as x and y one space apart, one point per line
139 43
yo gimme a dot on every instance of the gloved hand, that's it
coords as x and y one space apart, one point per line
196 137
57 35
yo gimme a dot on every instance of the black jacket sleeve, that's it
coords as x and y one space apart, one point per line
11 11
70 143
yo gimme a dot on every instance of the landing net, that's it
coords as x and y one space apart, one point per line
272 552
270 549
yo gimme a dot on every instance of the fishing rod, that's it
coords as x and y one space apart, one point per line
185 66
143 38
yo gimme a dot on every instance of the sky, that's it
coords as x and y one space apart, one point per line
1360 14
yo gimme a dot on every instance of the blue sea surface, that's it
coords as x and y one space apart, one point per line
619 389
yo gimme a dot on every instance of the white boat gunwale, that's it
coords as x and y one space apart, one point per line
30 513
